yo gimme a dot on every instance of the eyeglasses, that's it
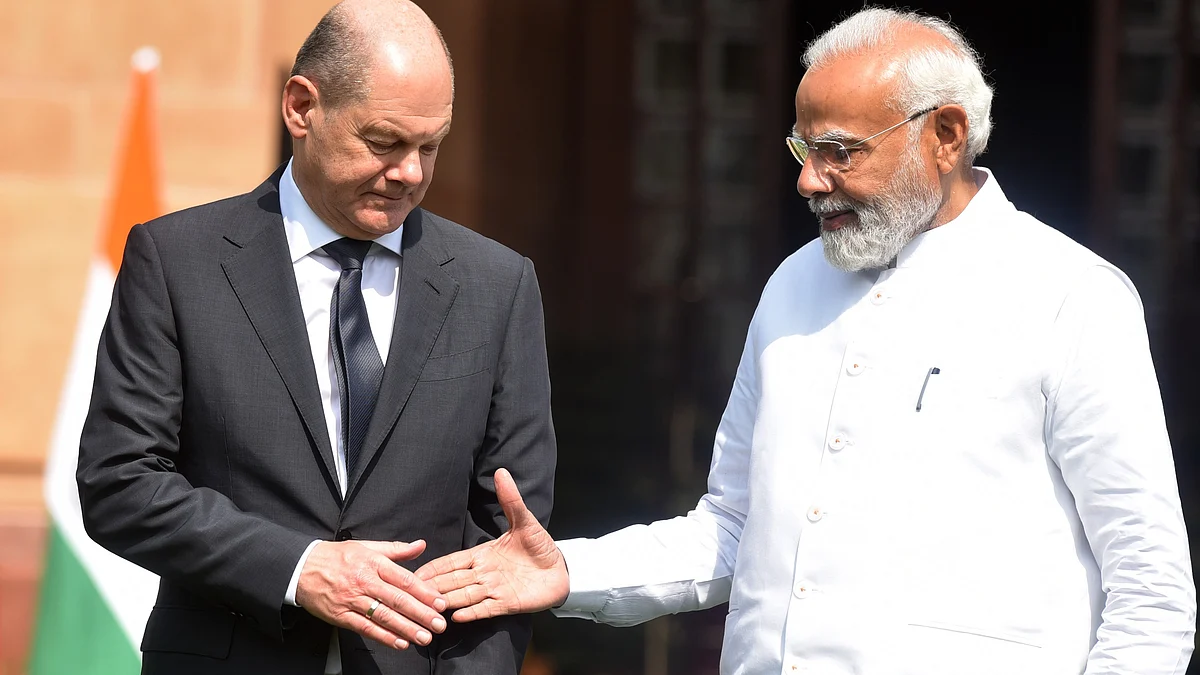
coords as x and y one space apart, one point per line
834 154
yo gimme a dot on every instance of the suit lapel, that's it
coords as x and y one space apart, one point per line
423 302
260 271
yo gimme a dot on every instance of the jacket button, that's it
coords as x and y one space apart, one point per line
343 535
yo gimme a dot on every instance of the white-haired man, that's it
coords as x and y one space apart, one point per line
944 452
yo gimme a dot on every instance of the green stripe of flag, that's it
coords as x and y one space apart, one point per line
76 633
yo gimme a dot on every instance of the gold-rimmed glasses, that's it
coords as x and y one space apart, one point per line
835 154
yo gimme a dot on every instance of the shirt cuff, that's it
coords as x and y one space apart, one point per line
290 598
589 594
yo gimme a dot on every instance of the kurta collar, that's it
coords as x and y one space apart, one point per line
949 240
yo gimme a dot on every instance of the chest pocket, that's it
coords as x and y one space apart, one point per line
957 385
985 402
455 366
962 400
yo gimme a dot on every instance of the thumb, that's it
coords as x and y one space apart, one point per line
510 500
397 551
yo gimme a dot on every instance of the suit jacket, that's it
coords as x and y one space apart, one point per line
205 456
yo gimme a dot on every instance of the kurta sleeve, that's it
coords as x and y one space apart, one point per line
1105 430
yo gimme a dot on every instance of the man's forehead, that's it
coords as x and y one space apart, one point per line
844 95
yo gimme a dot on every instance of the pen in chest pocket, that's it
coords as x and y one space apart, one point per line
921 397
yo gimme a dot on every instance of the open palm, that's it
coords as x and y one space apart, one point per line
522 571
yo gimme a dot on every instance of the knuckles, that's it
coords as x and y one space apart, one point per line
397 601
362 574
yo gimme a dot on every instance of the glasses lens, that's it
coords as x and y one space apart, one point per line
799 149
833 153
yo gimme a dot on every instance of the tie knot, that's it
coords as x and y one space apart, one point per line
349 253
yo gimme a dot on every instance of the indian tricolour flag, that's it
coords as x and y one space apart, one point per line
94 605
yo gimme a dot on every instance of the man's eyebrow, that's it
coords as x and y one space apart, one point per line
840 135
391 132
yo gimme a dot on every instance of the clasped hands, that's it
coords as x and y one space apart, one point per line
522 571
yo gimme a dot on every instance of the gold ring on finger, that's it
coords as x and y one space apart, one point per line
374 606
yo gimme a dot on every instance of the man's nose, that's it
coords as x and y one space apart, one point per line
407 169
814 179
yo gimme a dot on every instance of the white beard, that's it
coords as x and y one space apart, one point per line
886 223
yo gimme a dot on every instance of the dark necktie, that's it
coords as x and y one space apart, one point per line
356 358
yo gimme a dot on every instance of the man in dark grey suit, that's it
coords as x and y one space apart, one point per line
301 387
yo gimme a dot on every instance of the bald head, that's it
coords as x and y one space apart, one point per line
357 38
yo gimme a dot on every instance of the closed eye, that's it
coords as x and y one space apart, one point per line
379 147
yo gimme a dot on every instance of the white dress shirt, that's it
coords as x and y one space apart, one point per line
1025 521
316 275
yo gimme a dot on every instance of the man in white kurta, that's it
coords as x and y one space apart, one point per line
1030 501
944 452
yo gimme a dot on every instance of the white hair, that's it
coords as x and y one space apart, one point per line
928 77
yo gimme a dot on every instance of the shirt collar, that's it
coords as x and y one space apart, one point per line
306 232
942 241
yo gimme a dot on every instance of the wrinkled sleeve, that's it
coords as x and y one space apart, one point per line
1105 430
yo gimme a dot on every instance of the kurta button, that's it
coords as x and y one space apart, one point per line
838 441
854 367
802 589
878 298
815 514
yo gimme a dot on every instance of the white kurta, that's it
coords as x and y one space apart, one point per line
1025 521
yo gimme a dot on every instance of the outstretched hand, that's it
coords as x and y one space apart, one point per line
522 571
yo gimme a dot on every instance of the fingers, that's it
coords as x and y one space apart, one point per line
395 623
467 596
397 551
340 582
459 560
510 500
367 628
427 601
484 610
453 581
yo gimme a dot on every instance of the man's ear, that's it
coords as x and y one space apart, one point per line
951 126
299 99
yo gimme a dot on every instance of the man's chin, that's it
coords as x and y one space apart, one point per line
381 221
839 257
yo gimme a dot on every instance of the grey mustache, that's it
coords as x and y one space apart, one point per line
825 207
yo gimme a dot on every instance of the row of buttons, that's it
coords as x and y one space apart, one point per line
837 441
856 366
